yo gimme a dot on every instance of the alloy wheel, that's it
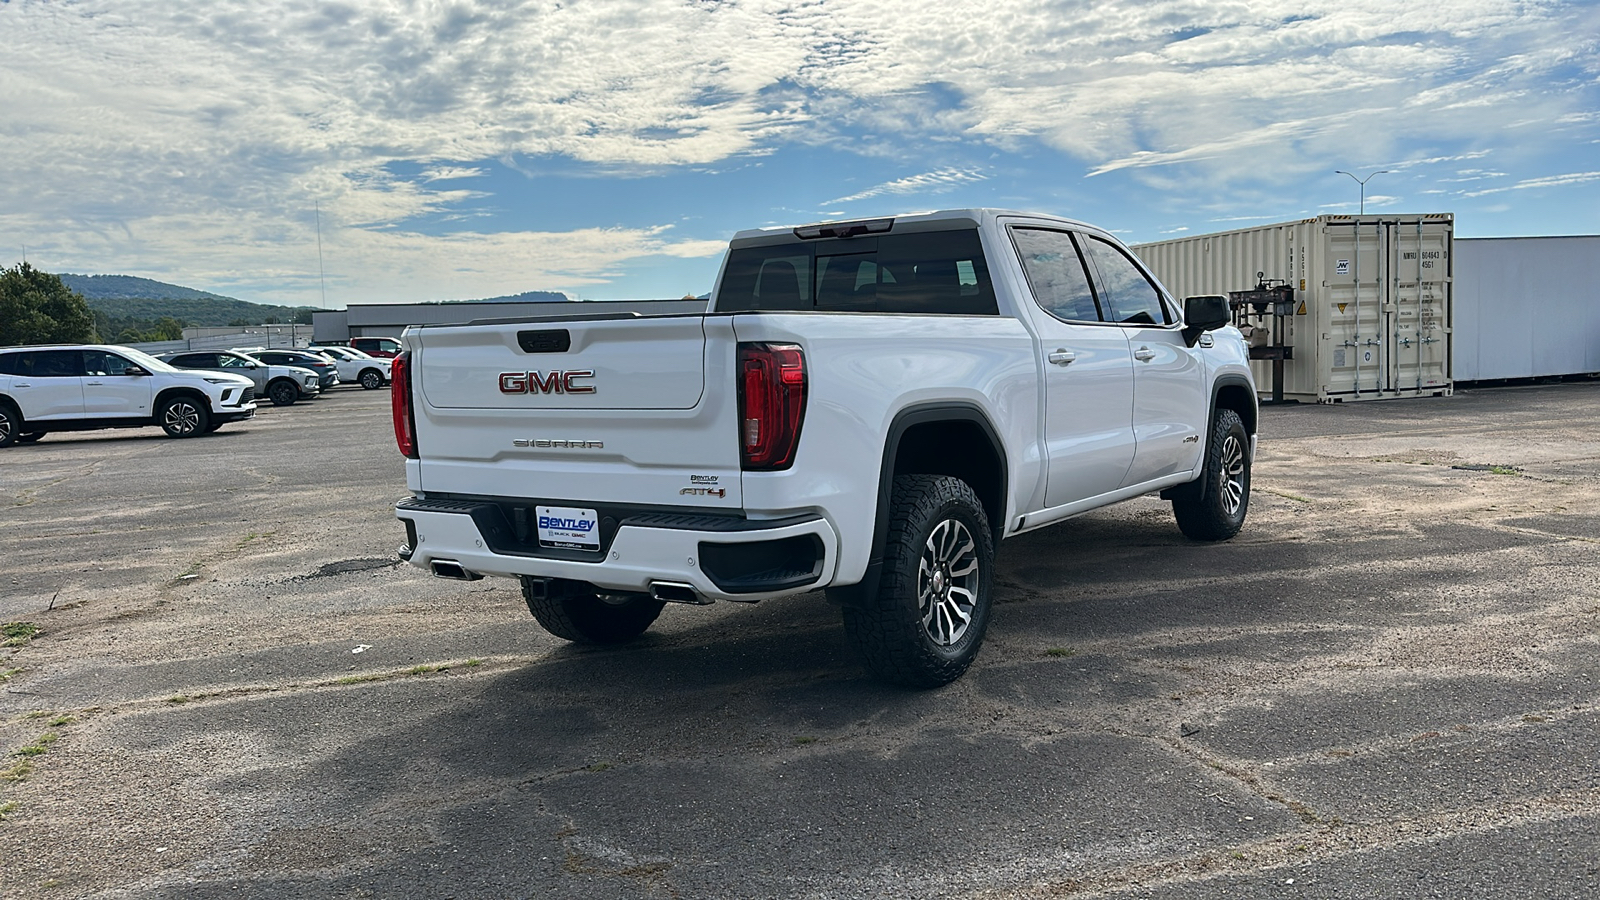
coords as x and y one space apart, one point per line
947 582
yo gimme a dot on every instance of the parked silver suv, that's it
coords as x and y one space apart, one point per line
283 385
89 386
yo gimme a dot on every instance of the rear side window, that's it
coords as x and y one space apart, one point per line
11 363
930 272
1056 274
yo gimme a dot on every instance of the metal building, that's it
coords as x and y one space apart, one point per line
1527 307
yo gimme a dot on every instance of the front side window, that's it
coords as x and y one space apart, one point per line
1129 297
99 362
1056 274
232 361
925 272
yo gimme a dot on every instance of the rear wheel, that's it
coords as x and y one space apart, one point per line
577 613
371 379
183 417
1213 508
283 393
926 624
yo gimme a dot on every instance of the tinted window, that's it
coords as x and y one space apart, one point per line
232 361
99 362
196 360
11 363
1056 274
1127 294
931 272
57 363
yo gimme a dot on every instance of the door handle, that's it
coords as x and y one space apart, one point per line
1062 357
1144 353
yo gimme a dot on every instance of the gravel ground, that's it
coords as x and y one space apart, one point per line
1385 686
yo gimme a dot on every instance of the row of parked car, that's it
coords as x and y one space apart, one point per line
90 386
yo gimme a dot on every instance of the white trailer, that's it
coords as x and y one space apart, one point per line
1373 300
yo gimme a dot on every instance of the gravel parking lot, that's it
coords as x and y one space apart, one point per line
1385 687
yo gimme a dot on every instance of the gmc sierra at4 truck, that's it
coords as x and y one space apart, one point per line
866 408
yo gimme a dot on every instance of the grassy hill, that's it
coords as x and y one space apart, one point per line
127 299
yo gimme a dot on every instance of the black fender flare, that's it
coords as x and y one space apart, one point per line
904 420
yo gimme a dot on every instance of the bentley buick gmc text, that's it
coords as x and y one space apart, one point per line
867 407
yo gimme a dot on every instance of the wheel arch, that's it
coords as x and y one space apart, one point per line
1235 392
944 438
170 393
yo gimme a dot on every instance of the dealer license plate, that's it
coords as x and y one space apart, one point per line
568 528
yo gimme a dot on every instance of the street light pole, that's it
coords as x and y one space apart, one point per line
1363 183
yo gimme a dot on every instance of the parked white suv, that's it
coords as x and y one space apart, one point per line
86 387
371 372
283 385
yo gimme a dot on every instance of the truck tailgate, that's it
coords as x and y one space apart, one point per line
592 411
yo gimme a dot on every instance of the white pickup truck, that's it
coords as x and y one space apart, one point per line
866 407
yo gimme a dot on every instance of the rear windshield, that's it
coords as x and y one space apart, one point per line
930 272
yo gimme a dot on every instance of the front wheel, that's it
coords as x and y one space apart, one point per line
283 393
1213 508
926 624
372 379
183 417
576 613
10 423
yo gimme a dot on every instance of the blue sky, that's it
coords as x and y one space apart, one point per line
609 148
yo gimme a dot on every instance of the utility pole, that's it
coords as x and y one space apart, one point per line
1363 183
321 278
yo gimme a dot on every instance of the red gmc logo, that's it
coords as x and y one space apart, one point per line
555 382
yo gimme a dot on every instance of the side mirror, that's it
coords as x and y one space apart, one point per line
1204 313
135 370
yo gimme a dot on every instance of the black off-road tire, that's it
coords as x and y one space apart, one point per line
10 424
928 620
1214 508
283 392
183 416
371 379
574 613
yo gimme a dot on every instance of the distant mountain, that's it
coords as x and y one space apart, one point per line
528 297
127 300
129 287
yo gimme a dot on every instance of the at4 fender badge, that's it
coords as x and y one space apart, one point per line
703 492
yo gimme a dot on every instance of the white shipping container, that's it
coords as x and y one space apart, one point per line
1373 299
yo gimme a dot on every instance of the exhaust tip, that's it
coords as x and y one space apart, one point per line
449 568
669 592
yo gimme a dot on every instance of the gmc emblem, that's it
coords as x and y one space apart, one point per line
555 382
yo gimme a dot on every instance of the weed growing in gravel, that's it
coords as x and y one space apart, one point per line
7 810
6 674
18 634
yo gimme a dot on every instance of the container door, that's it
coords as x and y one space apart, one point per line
1356 278
1419 347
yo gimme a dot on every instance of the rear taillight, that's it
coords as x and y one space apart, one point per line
405 422
772 403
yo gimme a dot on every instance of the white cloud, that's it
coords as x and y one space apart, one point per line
1547 181
231 118
926 183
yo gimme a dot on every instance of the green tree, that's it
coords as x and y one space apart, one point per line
36 308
